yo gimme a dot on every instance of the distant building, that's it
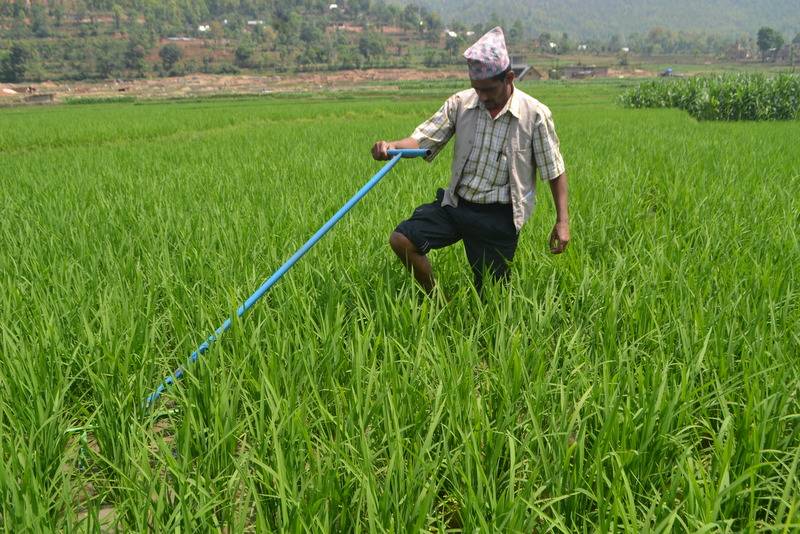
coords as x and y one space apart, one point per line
789 53
255 22
522 70
738 52
42 98
204 28
581 72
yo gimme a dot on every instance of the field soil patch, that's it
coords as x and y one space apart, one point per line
208 84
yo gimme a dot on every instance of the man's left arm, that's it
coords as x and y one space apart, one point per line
559 237
547 154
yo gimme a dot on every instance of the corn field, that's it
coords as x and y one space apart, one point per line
730 97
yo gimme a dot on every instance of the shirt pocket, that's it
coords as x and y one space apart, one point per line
523 165
519 140
523 154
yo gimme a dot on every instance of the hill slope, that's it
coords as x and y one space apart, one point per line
601 18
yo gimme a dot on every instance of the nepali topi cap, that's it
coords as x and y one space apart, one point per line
488 57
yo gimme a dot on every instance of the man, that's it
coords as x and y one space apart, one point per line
502 136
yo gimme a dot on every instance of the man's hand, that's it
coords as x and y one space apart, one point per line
380 150
559 237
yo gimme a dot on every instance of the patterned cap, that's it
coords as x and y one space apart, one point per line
488 57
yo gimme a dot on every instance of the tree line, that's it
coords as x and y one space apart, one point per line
81 39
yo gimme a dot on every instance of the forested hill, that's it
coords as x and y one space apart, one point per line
602 18
78 39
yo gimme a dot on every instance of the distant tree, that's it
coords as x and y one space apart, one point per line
135 53
435 58
454 46
636 41
314 55
58 13
544 40
108 59
39 22
170 54
80 11
458 27
495 20
796 40
516 33
384 14
433 23
119 16
17 63
410 18
614 43
208 62
19 9
217 31
287 28
311 34
660 40
565 44
768 40
236 23
359 6
243 55
264 35
371 46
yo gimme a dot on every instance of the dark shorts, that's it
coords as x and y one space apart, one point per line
488 231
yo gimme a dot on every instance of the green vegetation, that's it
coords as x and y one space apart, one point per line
647 380
725 97
127 38
105 39
170 54
602 18
769 41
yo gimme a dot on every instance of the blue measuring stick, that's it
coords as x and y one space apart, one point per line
397 155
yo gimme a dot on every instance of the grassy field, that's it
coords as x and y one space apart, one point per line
645 381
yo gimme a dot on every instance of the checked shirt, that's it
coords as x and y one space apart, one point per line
495 160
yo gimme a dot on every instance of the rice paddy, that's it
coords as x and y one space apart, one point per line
647 380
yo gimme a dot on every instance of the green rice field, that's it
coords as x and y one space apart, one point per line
647 380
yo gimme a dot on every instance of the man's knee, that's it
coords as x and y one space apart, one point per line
401 245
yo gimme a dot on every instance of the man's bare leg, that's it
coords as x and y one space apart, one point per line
417 263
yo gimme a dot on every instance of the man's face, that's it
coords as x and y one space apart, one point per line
493 94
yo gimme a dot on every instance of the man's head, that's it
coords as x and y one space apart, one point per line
490 69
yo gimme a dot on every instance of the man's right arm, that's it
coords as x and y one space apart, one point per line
432 134
380 150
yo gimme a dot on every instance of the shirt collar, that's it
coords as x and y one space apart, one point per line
512 106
